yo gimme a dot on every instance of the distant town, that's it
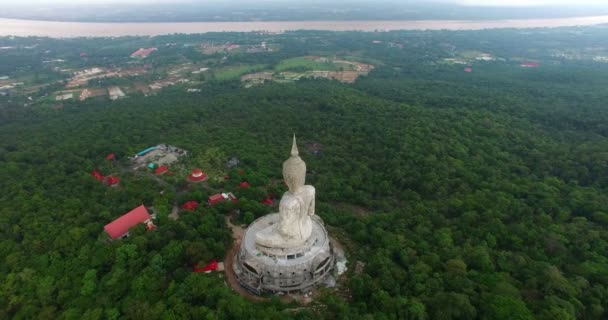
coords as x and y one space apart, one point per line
116 68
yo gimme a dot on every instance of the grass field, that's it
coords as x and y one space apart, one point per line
305 64
235 72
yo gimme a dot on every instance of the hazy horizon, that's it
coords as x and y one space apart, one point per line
294 10
480 3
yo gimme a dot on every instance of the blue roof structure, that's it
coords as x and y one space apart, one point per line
141 153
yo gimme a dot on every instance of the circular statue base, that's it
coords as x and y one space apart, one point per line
264 269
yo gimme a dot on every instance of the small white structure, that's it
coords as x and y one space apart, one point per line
66 96
89 72
201 70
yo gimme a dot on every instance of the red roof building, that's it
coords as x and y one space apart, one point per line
468 70
244 184
112 181
197 175
111 156
161 170
120 227
213 265
215 199
221 197
190 205
97 175
267 201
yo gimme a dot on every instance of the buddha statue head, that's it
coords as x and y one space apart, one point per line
294 169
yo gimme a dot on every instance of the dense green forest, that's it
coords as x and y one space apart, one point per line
465 196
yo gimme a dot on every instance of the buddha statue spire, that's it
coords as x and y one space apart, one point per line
294 147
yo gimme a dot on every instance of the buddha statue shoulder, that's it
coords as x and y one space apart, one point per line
295 209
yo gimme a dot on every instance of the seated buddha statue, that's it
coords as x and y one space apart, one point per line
295 209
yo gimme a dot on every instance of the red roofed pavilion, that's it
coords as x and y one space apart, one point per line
267 201
244 184
111 156
197 175
190 205
120 227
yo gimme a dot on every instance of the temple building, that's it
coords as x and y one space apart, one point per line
289 251
119 228
221 197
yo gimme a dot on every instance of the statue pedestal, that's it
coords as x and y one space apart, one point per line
273 269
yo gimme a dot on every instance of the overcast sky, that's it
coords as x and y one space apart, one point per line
522 3
503 3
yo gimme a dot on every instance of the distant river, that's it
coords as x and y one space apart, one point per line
85 29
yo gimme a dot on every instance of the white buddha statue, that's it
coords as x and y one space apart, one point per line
295 209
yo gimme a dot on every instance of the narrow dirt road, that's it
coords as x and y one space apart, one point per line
237 235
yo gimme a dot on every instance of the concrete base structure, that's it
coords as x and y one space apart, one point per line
289 270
